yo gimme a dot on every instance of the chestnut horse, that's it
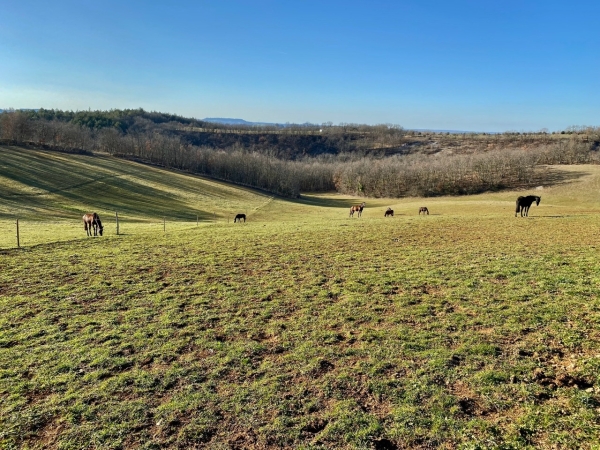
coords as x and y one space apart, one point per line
523 204
389 212
358 208
424 210
239 218
92 221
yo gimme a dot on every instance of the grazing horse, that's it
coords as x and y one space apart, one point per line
239 218
356 208
92 221
389 212
523 204
424 210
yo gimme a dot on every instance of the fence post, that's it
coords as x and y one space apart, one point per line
117 218
18 240
164 224
196 219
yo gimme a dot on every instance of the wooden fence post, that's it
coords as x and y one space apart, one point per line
117 218
197 220
18 239
164 224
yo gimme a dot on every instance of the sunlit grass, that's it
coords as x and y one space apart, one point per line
303 328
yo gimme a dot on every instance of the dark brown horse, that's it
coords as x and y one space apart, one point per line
92 222
239 218
424 210
389 212
357 208
523 204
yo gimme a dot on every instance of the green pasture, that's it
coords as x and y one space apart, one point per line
48 192
301 328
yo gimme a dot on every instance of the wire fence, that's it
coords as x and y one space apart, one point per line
22 233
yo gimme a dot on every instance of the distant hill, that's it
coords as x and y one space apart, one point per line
229 121
20 109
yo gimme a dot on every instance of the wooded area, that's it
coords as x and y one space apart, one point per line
376 161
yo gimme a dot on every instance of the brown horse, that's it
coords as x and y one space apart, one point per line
239 218
389 212
92 221
424 210
357 208
523 204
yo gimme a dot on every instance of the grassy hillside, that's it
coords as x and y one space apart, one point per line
302 328
49 192
57 189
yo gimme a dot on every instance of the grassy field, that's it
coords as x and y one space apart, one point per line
49 192
301 328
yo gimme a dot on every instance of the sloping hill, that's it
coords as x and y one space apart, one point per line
36 183
48 192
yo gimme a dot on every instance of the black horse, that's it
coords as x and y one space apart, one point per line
239 218
523 204
389 212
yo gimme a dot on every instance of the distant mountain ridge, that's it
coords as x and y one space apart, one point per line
230 121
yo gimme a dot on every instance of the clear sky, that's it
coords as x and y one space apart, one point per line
461 65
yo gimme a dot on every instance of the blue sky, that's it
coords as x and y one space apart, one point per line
463 65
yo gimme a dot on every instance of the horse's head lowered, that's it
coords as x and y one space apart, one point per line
98 224
537 201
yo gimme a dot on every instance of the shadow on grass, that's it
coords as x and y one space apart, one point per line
86 182
310 200
554 176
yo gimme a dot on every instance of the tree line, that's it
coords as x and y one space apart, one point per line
153 138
